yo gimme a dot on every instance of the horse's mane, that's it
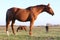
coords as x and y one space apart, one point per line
35 6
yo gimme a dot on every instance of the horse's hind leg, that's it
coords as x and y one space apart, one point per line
12 26
7 25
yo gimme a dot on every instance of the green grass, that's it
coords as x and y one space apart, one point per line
39 33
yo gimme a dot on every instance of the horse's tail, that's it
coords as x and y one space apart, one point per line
11 13
8 15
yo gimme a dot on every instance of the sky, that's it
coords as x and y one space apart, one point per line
42 18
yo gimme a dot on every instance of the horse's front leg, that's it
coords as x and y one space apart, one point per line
12 26
31 26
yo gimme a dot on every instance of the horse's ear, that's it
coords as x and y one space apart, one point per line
48 5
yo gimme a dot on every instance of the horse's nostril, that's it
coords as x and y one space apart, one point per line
52 14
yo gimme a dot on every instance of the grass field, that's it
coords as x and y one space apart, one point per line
39 33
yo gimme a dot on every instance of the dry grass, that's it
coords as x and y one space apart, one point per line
39 33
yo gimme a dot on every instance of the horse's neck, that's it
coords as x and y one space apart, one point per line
37 10
41 9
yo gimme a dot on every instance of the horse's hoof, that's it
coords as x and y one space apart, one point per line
30 33
14 33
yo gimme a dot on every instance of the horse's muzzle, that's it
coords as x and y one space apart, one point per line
52 14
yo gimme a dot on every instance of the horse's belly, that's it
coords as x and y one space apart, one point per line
22 17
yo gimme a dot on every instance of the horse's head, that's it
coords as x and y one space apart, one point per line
49 10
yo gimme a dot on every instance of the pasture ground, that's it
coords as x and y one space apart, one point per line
39 33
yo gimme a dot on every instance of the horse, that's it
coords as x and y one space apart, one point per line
28 14
22 28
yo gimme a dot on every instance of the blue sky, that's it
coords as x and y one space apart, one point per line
42 19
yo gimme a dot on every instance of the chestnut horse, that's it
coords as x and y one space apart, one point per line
24 15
